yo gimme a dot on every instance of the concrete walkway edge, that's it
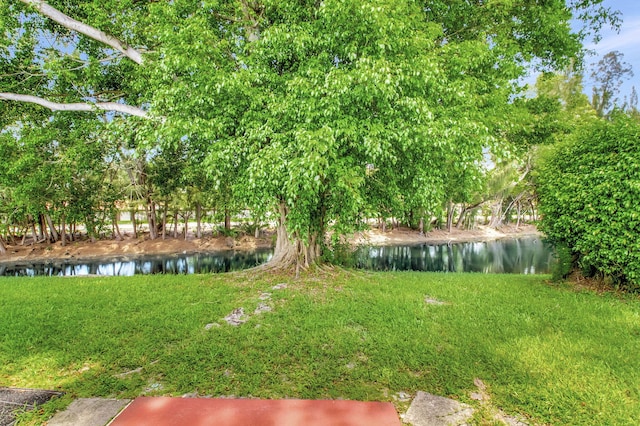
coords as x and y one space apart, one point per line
89 412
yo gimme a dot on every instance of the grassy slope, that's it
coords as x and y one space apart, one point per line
552 354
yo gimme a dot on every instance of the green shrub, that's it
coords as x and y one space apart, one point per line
564 263
233 233
589 191
339 252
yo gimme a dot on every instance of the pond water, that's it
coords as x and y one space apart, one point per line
198 263
521 256
514 256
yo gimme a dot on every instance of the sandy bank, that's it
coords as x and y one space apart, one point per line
132 247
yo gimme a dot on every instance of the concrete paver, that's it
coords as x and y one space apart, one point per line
432 410
89 412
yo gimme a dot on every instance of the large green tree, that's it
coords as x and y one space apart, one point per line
317 110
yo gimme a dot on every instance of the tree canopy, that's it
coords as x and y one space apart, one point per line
321 111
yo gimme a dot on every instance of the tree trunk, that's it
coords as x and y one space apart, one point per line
198 220
10 235
496 214
421 226
40 229
164 220
187 213
63 230
291 251
151 218
227 219
54 233
463 213
44 234
175 224
117 227
450 211
3 248
154 219
534 216
34 234
133 222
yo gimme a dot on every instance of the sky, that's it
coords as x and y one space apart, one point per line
627 41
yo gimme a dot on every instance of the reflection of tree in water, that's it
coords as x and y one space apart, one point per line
202 263
185 264
525 255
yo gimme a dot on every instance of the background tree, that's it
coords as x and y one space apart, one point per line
631 104
608 76
166 176
56 173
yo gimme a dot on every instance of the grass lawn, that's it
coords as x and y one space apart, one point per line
550 353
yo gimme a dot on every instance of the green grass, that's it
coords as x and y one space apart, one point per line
552 354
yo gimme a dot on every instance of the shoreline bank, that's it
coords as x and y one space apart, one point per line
143 246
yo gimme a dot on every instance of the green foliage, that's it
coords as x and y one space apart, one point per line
233 233
339 252
589 189
59 166
564 263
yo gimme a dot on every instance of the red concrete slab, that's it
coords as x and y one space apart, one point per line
160 411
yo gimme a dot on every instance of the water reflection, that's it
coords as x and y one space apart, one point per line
200 263
518 256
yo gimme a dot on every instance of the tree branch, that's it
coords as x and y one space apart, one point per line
252 14
94 33
79 106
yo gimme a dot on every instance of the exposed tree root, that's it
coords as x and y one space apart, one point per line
291 251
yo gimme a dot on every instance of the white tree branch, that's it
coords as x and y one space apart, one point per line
96 34
79 106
